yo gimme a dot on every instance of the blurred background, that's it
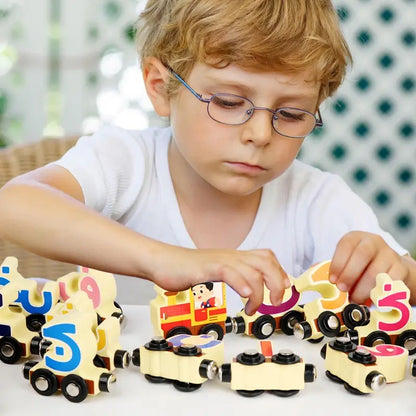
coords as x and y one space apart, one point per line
69 66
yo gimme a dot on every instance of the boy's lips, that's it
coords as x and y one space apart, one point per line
246 168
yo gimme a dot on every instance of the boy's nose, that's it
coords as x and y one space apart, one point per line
258 129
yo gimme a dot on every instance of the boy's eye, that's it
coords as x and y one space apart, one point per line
288 115
227 102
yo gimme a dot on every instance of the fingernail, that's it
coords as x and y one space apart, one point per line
287 283
333 278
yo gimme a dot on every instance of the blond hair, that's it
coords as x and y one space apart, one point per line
265 35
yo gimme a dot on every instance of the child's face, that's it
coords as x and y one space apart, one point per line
236 159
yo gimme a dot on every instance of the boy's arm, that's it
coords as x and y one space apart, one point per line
360 256
44 212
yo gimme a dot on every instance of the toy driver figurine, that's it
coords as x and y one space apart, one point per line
204 295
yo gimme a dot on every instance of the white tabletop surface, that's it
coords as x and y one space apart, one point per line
132 394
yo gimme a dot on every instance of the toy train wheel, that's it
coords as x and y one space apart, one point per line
44 382
177 331
10 350
35 321
74 388
353 390
155 379
289 320
334 378
105 381
214 330
407 339
99 362
27 367
302 330
250 393
376 338
329 324
185 387
315 340
121 359
284 393
263 327
355 315
239 325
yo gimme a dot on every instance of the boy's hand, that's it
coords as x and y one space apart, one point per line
358 258
245 271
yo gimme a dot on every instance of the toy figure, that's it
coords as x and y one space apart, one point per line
204 295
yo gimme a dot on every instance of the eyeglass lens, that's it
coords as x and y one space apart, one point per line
234 110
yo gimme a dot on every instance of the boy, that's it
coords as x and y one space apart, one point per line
218 195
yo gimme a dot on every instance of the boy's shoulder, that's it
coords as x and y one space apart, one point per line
118 134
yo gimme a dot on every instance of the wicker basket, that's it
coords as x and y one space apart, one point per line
14 161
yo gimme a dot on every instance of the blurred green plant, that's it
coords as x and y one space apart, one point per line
3 107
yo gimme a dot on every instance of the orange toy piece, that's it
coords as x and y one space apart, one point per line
329 314
16 340
29 301
361 369
186 312
253 372
269 318
99 286
391 322
68 362
185 360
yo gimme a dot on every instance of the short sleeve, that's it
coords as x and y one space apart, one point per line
110 167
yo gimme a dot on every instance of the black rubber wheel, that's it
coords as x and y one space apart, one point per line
353 390
284 393
408 337
315 340
10 350
74 388
121 359
44 382
106 379
28 365
155 379
285 325
377 337
348 316
35 321
213 329
185 387
263 327
326 327
178 330
250 393
334 378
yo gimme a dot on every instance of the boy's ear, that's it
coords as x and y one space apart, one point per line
155 76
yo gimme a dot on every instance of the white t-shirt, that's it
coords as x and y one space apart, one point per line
301 217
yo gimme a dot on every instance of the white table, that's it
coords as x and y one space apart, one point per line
133 394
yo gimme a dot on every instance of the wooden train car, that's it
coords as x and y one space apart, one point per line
183 312
253 372
364 370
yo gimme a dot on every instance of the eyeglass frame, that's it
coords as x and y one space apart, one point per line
318 120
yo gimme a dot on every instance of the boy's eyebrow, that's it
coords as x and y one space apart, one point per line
249 90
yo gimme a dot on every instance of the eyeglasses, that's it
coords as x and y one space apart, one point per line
234 110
